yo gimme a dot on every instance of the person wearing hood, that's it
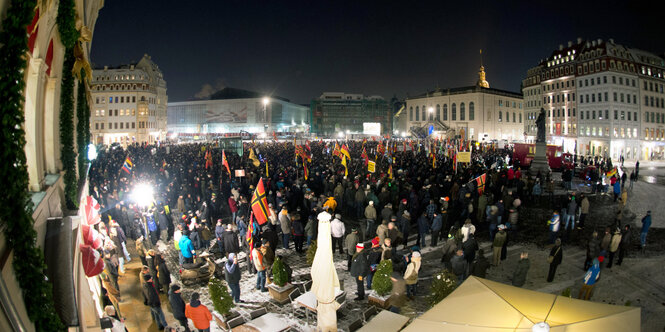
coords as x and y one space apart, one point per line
411 275
449 248
232 275
187 248
590 279
178 306
198 313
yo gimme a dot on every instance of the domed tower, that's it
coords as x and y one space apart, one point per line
482 82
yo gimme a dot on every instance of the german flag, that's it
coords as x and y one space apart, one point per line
226 163
480 181
208 158
260 203
390 172
345 151
305 170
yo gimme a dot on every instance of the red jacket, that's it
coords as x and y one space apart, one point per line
233 205
200 316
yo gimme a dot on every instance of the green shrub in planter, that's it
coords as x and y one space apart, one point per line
311 252
381 282
279 277
443 283
221 299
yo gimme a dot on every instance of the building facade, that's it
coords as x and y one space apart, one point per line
600 97
474 113
533 101
129 104
234 110
335 112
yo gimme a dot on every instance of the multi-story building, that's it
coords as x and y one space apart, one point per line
129 103
608 101
533 101
234 110
336 112
477 113
602 99
651 77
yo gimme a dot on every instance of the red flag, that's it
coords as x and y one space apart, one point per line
481 183
365 156
226 163
345 151
260 203
92 261
305 170
390 171
208 159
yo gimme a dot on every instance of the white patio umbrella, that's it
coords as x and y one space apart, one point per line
324 277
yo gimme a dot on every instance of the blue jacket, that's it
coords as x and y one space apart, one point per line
437 223
592 274
617 187
423 225
646 223
186 246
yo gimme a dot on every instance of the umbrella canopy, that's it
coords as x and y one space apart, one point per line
324 277
483 305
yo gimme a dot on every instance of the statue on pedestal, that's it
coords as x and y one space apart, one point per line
540 125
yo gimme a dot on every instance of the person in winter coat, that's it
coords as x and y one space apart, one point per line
584 210
394 235
646 224
382 231
405 227
398 292
257 259
480 266
350 244
285 222
590 278
233 207
337 230
467 229
423 228
359 270
178 306
605 242
437 225
459 266
592 250
219 231
470 247
370 217
557 256
230 241
373 259
198 313
232 276
553 225
187 248
497 245
625 243
298 231
140 248
164 275
521 270
411 275
449 249
387 212
310 230
615 242
151 299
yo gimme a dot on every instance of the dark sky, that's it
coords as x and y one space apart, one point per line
299 49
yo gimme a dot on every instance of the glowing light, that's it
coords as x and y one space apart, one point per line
92 152
266 101
143 194
540 327
340 134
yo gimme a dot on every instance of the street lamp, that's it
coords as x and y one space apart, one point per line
143 195
266 101
430 110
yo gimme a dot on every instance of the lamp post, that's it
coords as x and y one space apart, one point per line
266 101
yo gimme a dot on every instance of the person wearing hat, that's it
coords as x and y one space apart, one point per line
285 222
411 275
232 276
198 313
646 224
359 270
437 225
497 244
337 230
178 306
387 212
152 265
370 217
614 246
151 299
405 227
350 243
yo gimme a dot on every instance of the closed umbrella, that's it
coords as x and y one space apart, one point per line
324 277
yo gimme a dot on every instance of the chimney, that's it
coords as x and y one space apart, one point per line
593 43
600 41
579 40
611 41
570 43
106 68
560 47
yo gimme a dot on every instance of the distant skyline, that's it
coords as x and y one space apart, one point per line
300 49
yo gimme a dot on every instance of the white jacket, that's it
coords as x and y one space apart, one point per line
337 228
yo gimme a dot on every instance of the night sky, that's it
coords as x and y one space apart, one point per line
299 49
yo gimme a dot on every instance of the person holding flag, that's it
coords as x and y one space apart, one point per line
345 151
226 163
127 166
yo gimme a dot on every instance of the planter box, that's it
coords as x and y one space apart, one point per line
280 294
379 301
222 322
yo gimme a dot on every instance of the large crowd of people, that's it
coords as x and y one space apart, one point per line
416 190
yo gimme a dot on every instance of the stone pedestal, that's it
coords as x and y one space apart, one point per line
539 162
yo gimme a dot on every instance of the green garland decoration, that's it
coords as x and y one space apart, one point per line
66 22
221 299
67 153
81 127
381 282
16 212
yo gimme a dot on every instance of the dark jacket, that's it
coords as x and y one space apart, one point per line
359 265
232 277
177 305
557 252
470 247
423 225
164 273
459 265
150 295
230 242
437 223
480 267
519 276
